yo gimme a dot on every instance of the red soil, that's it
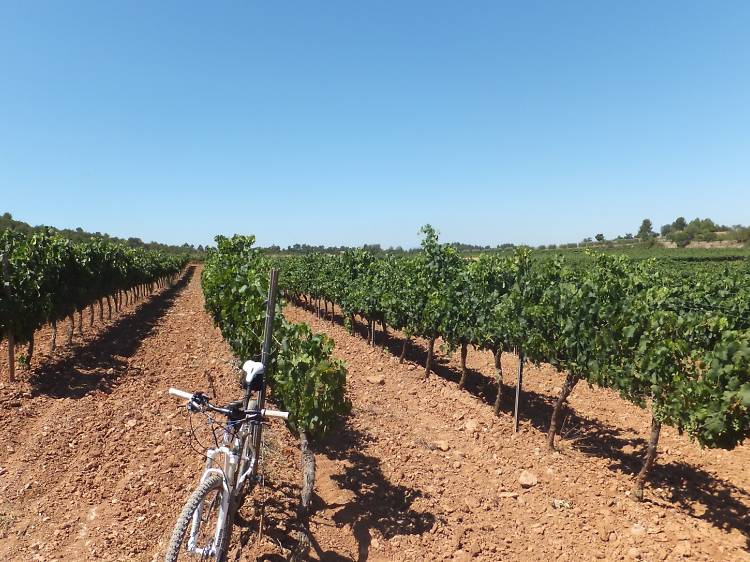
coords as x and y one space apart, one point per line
95 459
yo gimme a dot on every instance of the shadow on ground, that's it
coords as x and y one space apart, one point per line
725 505
277 515
97 364
377 503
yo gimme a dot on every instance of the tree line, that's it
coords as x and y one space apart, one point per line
681 232
7 222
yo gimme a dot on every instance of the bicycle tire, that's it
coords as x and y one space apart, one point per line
213 483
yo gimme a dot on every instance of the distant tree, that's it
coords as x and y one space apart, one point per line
680 238
646 230
628 236
679 224
599 237
666 229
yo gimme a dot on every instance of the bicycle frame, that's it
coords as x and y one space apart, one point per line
231 483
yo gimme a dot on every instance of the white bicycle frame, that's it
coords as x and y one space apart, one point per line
233 445
229 483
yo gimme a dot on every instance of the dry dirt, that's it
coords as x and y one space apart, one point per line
96 459
445 471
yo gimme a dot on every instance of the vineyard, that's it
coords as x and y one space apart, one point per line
46 279
375 282
674 340
384 460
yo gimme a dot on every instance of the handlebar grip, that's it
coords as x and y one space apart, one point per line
275 414
181 393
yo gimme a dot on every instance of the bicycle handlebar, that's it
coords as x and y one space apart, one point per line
181 393
266 413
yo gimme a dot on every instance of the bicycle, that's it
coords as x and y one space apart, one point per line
204 527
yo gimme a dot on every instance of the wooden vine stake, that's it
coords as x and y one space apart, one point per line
519 383
305 509
9 332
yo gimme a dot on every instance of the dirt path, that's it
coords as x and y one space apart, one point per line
424 471
95 461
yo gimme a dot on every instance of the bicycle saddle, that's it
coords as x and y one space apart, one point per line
254 371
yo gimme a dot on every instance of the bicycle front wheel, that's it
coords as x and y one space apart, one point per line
196 535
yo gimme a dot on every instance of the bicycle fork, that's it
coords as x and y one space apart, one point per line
230 469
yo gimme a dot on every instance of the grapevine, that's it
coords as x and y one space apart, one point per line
669 338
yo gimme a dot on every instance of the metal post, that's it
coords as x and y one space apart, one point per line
519 383
270 315
9 332
265 359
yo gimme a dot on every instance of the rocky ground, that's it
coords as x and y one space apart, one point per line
96 459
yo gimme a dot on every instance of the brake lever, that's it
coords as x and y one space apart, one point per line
198 402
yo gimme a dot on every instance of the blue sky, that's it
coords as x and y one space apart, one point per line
344 122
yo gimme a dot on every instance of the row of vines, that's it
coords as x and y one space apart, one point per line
46 278
675 340
304 377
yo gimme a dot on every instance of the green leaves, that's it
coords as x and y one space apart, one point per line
309 381
228 273
717 401
305 378
659 332
49 277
